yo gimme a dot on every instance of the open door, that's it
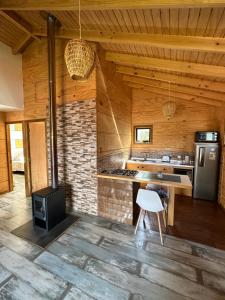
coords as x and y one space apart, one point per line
15 157
38 155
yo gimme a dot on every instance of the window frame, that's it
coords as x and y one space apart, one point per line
135 129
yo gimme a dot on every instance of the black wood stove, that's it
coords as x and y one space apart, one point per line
48 204
48 207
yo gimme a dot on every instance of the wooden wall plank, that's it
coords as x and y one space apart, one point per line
113 110
4 178
35 75
176 134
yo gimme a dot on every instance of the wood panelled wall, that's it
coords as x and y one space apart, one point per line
4 178
35 80
176 134
113 110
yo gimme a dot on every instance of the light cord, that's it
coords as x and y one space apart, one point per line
79 20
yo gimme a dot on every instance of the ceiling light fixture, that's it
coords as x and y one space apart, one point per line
79 56
169 108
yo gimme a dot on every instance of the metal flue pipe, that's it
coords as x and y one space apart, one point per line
51 24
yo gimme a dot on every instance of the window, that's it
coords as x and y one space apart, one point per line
142 134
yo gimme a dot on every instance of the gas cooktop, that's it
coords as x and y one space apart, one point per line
121 172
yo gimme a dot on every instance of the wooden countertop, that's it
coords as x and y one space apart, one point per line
142 176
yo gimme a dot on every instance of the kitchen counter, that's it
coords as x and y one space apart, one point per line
115 184
147 177
158 163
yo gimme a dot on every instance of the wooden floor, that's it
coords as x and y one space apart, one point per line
200 221
99 259
196 220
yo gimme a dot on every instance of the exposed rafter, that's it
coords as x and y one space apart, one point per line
105 4
22 44
175 95
197 43
166 64
20 23
176 79
174 87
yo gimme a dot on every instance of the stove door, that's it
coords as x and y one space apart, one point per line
39 207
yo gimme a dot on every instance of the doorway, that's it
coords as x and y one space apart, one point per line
27 156
17 161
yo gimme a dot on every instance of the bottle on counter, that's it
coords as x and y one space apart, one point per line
179 159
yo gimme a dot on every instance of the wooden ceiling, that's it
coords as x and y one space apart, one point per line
181 40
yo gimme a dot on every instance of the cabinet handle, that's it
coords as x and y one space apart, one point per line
142 167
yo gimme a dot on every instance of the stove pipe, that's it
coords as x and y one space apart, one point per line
51 23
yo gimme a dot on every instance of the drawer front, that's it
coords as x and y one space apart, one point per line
131 166
165 169
139 167
149 168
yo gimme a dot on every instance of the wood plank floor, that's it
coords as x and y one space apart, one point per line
196 220
100 259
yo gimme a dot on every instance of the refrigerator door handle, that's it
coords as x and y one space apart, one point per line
201 160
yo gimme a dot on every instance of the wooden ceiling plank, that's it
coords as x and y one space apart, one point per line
206 44
183 21
105 4
176 95
176 88
173 78
165 64
19 22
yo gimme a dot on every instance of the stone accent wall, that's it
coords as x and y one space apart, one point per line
115 200
77 155
159 153
113 160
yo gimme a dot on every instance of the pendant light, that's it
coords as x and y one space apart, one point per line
79 56
169 108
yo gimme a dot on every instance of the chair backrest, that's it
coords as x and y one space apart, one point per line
149 200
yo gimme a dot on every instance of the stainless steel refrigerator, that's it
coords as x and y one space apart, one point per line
206 174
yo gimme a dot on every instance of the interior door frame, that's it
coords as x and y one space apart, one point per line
26 149
9 156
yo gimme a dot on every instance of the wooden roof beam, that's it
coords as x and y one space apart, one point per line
105 4
166 64
19 22
22 44
208 85
176 88
175 95
207 44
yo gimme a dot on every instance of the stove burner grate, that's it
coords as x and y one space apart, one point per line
121 172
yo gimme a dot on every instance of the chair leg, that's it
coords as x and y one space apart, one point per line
138 221
164 217
160 229
144 224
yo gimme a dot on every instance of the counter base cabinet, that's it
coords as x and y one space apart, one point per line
183 192
150 168
116 200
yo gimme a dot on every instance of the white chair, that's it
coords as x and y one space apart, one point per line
151 202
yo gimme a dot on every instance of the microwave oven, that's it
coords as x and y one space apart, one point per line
207 136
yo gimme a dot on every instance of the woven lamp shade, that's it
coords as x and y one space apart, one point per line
169 109
79 58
